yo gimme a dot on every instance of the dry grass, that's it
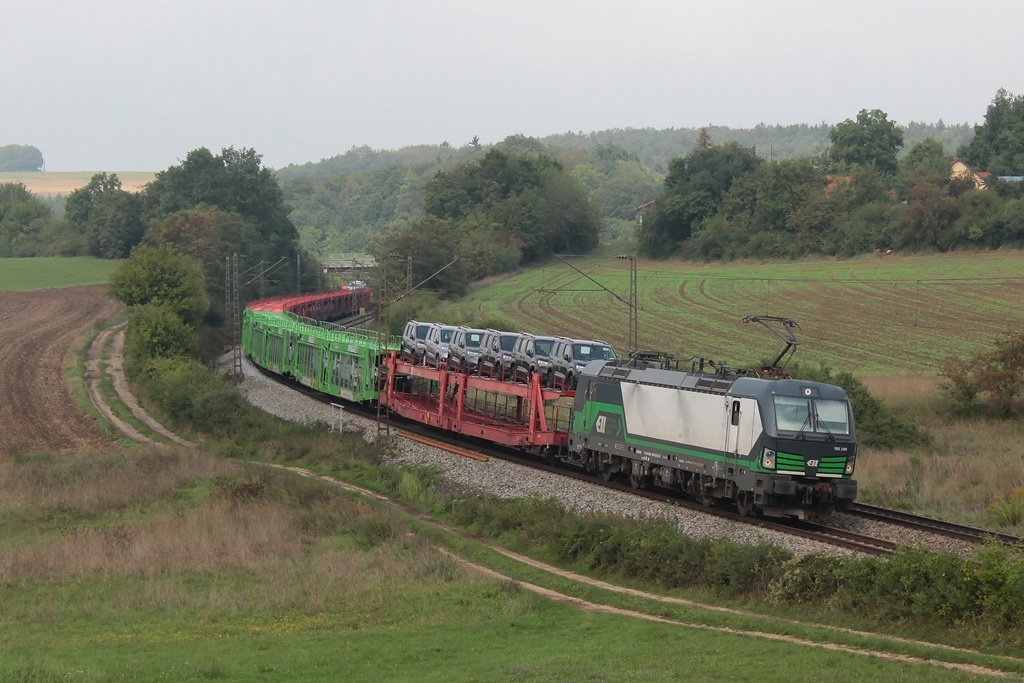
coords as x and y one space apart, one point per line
902 390
968 464
91 481
153 518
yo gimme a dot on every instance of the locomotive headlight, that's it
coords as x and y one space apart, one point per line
849 466
768 459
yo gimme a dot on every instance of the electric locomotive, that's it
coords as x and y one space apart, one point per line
778 447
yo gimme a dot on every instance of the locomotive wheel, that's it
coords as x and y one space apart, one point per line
745 503
606 472
638 481
704 496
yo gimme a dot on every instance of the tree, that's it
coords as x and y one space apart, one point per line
163 277
703 138
998 144
20 158
692 192
235 182
871 139
108 217
22 217
531 203
431 243
926 159
205 234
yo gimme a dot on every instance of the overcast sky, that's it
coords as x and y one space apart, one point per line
123 85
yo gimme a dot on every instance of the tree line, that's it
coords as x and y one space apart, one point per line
725 201
493 208
205 208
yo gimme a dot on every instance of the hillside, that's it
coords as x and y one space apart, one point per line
873 315
654 147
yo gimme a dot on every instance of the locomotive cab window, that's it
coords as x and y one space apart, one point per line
816 415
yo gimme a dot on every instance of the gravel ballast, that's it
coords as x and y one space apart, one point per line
507 480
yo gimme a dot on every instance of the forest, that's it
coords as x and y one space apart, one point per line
864 184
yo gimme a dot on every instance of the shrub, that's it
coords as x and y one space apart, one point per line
996 376
154 331
1008 511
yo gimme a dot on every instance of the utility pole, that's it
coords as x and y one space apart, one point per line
298 274
232 314
633 302
634 306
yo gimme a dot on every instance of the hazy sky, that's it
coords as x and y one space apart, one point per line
121 85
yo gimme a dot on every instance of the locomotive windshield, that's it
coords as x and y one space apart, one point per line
816 415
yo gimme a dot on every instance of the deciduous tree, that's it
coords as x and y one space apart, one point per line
109 218
998 144
162 277
871 139
20 158
692 192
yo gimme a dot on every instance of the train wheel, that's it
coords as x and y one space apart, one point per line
705 497
745 503
606 472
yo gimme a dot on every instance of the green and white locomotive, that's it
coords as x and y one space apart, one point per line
777 447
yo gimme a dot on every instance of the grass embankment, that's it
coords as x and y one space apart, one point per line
968 463
25 274
868 316
171 565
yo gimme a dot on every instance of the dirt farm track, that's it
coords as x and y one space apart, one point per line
37 329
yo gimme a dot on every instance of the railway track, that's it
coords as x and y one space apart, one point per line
469 447
816 532
963 532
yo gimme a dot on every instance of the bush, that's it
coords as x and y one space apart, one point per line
1008 511
155 331
650 551
997 377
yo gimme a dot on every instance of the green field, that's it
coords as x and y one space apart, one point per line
874 315
24 274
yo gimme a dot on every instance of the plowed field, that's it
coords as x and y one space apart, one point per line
36 330
872 315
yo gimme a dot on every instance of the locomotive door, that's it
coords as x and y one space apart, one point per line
733 411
